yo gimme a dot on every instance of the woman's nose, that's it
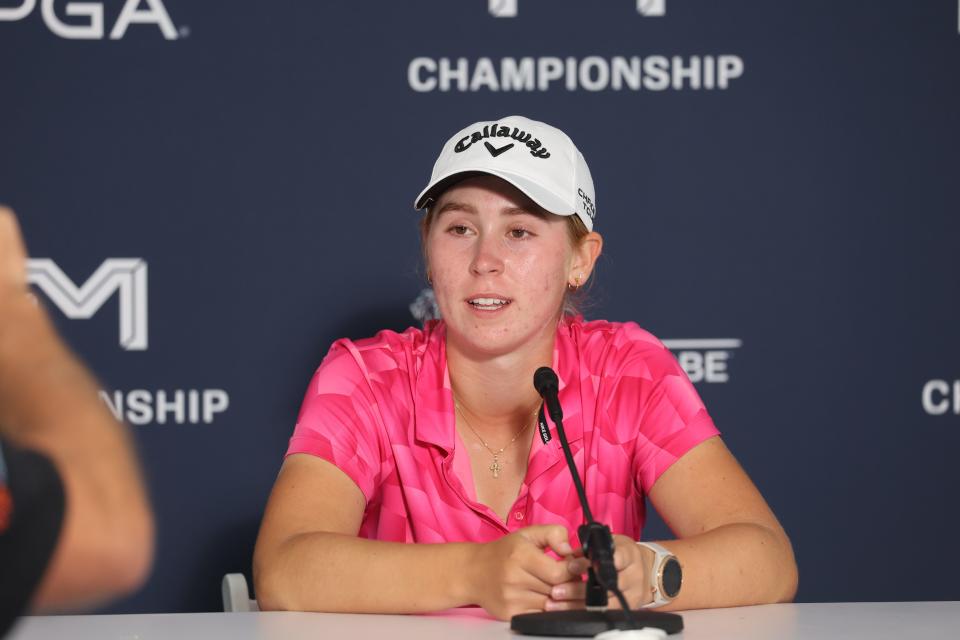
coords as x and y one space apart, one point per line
488 255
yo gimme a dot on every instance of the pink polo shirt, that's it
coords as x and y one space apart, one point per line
381 410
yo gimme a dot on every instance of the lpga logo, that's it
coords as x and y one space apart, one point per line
508 8
92 14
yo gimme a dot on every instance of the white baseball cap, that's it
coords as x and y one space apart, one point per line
538 159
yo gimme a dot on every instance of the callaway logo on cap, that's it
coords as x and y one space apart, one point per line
538 159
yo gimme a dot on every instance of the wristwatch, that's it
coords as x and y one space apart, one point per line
666 576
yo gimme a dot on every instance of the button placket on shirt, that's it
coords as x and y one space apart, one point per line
516 518
454 482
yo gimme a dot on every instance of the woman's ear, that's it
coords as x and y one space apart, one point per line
585 256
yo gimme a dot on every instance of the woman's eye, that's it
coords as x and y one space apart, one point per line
459 229
519 233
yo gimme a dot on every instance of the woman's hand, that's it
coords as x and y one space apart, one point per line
633 563
515 574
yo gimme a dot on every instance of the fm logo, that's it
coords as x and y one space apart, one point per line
92 14
128 276
508 8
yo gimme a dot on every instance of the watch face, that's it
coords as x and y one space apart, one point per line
672 577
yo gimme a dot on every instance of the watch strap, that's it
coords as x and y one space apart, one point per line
662 555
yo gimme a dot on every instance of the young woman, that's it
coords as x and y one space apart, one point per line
416 479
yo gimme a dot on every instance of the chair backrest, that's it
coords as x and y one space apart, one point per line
236 596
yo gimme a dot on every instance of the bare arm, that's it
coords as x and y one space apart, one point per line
731 547
48 402
308 557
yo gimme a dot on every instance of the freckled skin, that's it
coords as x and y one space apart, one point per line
486 244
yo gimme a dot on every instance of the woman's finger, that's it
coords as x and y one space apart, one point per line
569 591
549 536
525 579
531 602
545 568
619 560
578 566
563 605
625 553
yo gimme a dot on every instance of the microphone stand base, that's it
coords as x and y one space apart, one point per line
581 624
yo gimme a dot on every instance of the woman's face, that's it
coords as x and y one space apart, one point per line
499 265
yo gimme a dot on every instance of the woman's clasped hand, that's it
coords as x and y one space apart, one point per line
515 574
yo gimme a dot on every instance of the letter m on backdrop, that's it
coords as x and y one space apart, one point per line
128 276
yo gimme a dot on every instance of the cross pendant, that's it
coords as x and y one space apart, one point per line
496 467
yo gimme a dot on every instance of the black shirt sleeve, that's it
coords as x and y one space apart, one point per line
31 515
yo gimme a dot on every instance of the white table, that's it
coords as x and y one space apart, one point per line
847 621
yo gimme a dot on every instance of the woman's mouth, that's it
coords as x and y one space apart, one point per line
488 303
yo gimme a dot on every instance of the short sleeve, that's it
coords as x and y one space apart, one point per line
339 421
655 399
32 505
674 421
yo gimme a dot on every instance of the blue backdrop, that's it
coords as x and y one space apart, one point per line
222 189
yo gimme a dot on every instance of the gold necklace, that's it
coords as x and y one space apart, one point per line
495 466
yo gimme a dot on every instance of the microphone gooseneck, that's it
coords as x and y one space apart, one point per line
595 538
548 386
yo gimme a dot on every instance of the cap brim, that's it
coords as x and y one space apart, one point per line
539 194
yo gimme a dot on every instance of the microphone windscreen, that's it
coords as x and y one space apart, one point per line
544 380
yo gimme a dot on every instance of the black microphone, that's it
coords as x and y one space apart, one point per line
597 543
547 384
